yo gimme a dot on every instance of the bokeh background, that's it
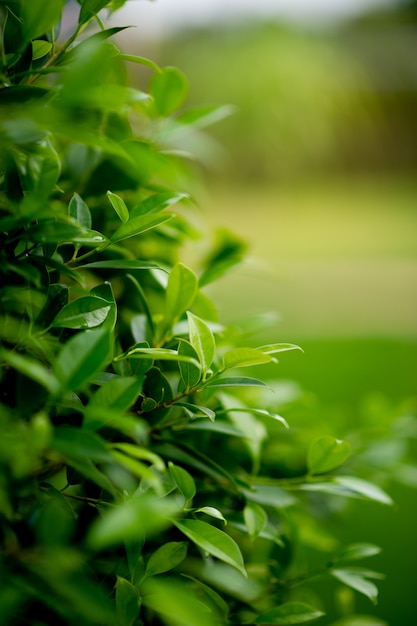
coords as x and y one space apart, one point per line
316 169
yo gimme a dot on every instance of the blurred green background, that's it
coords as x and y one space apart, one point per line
316 169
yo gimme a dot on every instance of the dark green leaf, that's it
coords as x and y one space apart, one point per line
120 264
39 17
289 613
196 410
166 557
79 211
190 374
183 480
77 443
86 312
127 602
89 8
40 49
82 357
213 541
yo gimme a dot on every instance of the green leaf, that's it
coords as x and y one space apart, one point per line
269 495
118 394
166 557
202 340
79 211
89 9
275 348
141 453
32 369
212 512
39 17
255 518
216 427
144 514
120 264
168 88
195 410
40 49
190 374
138 225
203 116
358 551
140 60
53 232
180 292
235 381
85 312
326 453
157 202
213 541
119 206
158 354
350 487
244 357
260 412
127 602
289 613
77 443
356 579
183 480
82 357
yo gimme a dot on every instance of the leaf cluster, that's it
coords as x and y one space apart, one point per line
132 488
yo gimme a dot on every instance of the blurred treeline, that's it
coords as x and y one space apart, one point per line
337 99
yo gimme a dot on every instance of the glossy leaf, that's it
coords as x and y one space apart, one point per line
119 206
195 410
183 480
358 551
127 602
119 394
79 211
158 354
120 264
144 454
234 381
86 312
244 357
260 412
169 88
166 557
39 17
202 340
356 579
40 49
211 511
89 8
350 487
275 348
138 225
190 374
157 202
180 292
289 613
327 453
255 518
212 541
82 357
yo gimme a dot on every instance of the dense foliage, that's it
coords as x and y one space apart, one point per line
134 488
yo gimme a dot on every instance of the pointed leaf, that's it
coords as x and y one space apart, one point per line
197 411
190 374
82 357
85 312
138 225
40 49
289 613
275 348
244 357
127 602
89 8
180 293
119 206
358 551
157 202
354 579
326 453
212 512
79 211
166 557
235 381
255 518
213 541
169 89
202 340
183 480
121 264
119 394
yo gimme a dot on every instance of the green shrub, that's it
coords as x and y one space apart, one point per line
133 484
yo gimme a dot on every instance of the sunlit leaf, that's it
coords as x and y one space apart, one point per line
356 579
119 206
85 312
202 340
166 557
169 88
138 225
212 541
180 292
244 357
327 453
289 613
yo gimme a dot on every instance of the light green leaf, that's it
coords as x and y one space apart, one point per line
260 412
212 512
157 202
119 394
275 348
141 453
357 580
290 613
127 602
80 444
183 480
255 518
201 117
180 292
166 557
168 88
216 427
138 225
195 410
138 469
120 264
140 60
38 17
82 357
119 206
350 487
158 354
235 381
79 211
40 49
213 541
85 312
269 495
326 453
358 551
202 340
89 8
244 357
190 374
144 514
